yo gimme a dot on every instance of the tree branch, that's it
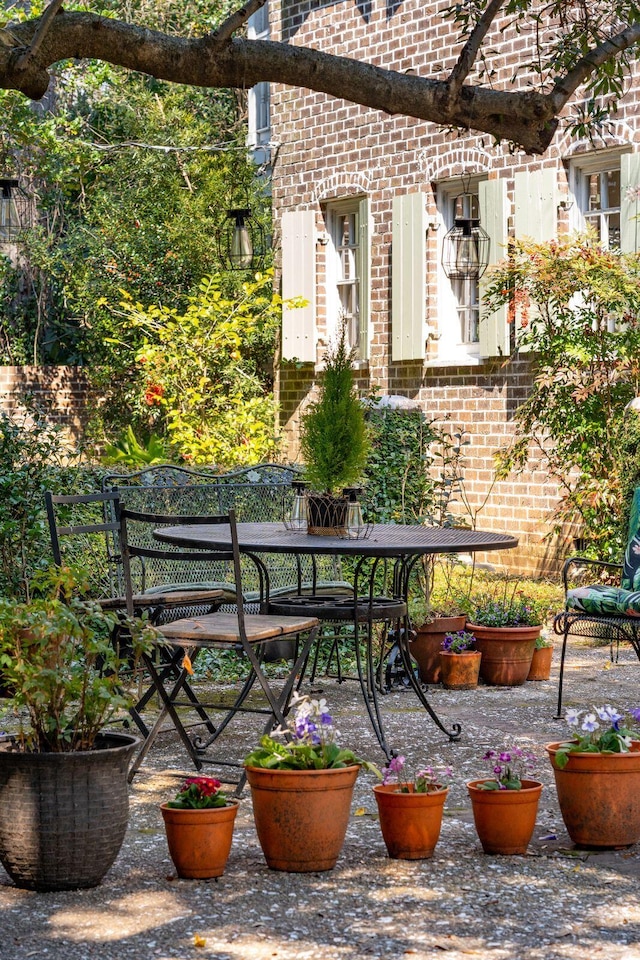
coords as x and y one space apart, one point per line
43 25
470 50
566 86
226 29
524 117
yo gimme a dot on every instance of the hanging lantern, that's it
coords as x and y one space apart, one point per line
15 212
465 248
243 240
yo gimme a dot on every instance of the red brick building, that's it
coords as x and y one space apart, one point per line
362 202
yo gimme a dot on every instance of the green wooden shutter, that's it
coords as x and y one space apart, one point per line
536 205
629 205
408 277
298 228
364 273
494 330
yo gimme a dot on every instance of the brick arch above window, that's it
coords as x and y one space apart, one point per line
456 161
620 134
343 184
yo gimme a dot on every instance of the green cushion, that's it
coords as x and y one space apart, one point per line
630 578
604 601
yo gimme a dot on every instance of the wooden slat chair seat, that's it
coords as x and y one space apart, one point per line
249 633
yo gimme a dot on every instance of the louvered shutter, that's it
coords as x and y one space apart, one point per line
629 203
408 277
494 330
298 228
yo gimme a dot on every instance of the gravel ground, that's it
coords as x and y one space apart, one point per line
553 904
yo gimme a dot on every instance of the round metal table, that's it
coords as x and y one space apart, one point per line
404 544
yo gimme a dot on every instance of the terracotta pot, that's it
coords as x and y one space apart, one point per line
506 652
301 816
460 670
599 796
200 840
410 822
425 649
540 668
505 819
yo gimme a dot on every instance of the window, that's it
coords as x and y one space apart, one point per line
260 95
458 299
346 252
597 189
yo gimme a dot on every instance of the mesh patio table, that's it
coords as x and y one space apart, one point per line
402 544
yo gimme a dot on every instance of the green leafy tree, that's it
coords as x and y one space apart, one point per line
576 306
200 377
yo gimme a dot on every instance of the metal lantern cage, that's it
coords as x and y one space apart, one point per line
15 209
465 248
242 242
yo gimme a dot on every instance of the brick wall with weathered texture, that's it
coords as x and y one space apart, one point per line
329 148
61 392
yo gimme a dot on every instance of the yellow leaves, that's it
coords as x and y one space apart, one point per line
186 664
199 941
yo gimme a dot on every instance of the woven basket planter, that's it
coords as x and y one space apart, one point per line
63 816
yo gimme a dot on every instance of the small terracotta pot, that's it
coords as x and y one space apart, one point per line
302 816
200 840
505 819
599 796
459 671
506 652
410 822
425 649
540 668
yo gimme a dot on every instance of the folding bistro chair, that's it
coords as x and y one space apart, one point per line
249 634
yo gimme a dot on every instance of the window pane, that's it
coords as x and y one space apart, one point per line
613 188
593 182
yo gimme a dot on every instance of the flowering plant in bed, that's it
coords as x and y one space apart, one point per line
600 730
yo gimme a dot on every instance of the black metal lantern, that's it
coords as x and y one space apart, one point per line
243 240
465 248
15 213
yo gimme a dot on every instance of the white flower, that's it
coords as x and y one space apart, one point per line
573 717
589 724
608 714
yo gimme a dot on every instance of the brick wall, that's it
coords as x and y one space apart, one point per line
332 149
62 392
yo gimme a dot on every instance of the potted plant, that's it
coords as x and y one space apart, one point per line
597 776
505 805
334 441
199 826
438 609
63 778
540 668
506 626
459 661
410 810
301 789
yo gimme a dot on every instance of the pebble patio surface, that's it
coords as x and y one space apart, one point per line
556 903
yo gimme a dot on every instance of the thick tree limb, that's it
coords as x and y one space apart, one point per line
566 86
39 35
525 117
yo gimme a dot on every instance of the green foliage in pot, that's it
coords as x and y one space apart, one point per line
58 660
334 438
600 730
506 606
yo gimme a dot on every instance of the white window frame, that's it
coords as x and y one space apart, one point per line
259 96
580 169
452 347
334 215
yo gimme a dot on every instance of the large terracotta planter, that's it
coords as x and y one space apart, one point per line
302 816
506 653
426 647
200 840
540 668
599 796
459 671
410 822
505 819
63 816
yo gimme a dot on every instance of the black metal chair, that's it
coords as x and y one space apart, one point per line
249 634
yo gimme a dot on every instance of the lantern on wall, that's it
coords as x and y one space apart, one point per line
242 241
465 248
15 212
